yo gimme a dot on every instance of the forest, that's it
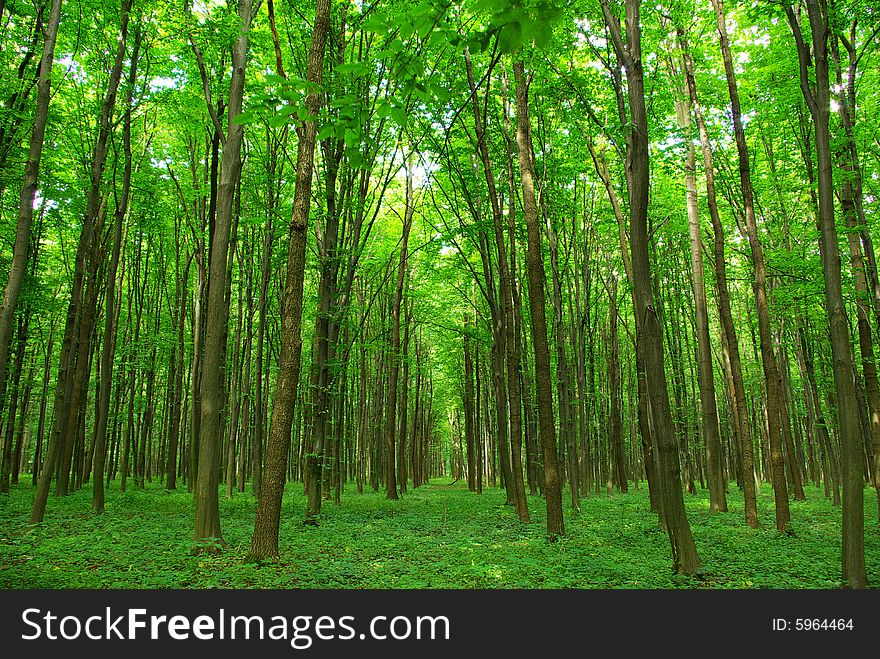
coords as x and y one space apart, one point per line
439 294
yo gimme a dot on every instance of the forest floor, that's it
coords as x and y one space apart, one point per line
438 536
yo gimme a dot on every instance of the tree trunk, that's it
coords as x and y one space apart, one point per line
730 342
110 320
390 417
649 329
22 245
762 305
709 412
207 520
268 518
537 304
819 103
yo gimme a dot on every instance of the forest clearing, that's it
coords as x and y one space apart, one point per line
471 295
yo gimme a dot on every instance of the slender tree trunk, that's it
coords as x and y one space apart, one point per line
649 328
58 444
730 342
110 322
819 102
617 448
772 377
404 402
535 262
268 518
709 412
22 245
394 357
207 520
468 396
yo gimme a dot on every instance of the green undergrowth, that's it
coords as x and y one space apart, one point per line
438 536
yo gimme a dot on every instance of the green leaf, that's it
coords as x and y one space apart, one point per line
375 24
327 130
510 38
358 68
543 33
278 120
244 118
398 114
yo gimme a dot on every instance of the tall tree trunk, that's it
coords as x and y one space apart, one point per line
468 396
617 448
730 341
58 445
207 519
853 211
537 304
566 430
404 402
22 245
174 432
709 412
649 328
818 100
394 357
110 320
772 377
265 539
509 444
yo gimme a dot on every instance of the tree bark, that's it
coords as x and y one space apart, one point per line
207 518
685 559
265 539
537 304
22 246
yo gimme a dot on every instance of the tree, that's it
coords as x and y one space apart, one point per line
29 184
818 101
684 553
207 522
535 263
265 539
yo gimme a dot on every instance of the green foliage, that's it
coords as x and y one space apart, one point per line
438 536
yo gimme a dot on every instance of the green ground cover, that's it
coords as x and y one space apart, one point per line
439 536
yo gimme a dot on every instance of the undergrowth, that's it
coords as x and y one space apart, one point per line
437 536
